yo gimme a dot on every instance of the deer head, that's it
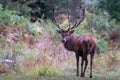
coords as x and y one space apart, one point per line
77 19
65 34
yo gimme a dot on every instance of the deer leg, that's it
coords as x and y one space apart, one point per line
82 62
86 63
77 64
91 62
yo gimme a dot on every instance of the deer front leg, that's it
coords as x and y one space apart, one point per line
82 62
77 64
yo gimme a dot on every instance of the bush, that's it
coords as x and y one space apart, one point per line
11 18
103 45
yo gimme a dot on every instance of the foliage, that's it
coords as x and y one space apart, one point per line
45 8
36 8
91 5
11 18
16 5
103 45
101 17
112 7
81 30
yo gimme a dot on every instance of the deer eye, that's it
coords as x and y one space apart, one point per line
63 35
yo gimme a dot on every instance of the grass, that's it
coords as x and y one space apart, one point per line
62 67
45 71
106 67
97 76
107 75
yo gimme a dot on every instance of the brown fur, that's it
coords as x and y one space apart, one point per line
82 46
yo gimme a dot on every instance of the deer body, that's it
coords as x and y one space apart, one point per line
82 46
77 43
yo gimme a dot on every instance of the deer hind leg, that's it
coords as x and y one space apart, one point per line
84 59
86 63
91 62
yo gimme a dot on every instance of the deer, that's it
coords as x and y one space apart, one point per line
82 45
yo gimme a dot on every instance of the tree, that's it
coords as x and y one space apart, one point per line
39 8
44 8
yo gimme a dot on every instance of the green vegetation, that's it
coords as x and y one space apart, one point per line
12 18
112 9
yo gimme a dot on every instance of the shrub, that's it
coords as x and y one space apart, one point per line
11 18
103 45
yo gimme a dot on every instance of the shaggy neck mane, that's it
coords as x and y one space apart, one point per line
70 43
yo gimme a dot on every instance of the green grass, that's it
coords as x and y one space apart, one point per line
45 71
97 76
108 76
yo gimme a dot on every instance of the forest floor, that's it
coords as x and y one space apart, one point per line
97 76
105 67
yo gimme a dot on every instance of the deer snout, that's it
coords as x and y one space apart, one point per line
63 40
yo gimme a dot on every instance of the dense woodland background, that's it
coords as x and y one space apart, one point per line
29 38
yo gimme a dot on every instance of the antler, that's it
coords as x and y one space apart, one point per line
54 19
79 15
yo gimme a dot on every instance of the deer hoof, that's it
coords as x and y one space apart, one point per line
90 76
77 75
82 75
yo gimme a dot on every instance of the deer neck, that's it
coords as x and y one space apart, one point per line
69 45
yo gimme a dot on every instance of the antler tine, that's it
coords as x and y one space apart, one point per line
54 19
68 23
79 20
80 17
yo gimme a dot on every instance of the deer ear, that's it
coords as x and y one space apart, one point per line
72 31
59 31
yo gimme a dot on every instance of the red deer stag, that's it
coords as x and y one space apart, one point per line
82 45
